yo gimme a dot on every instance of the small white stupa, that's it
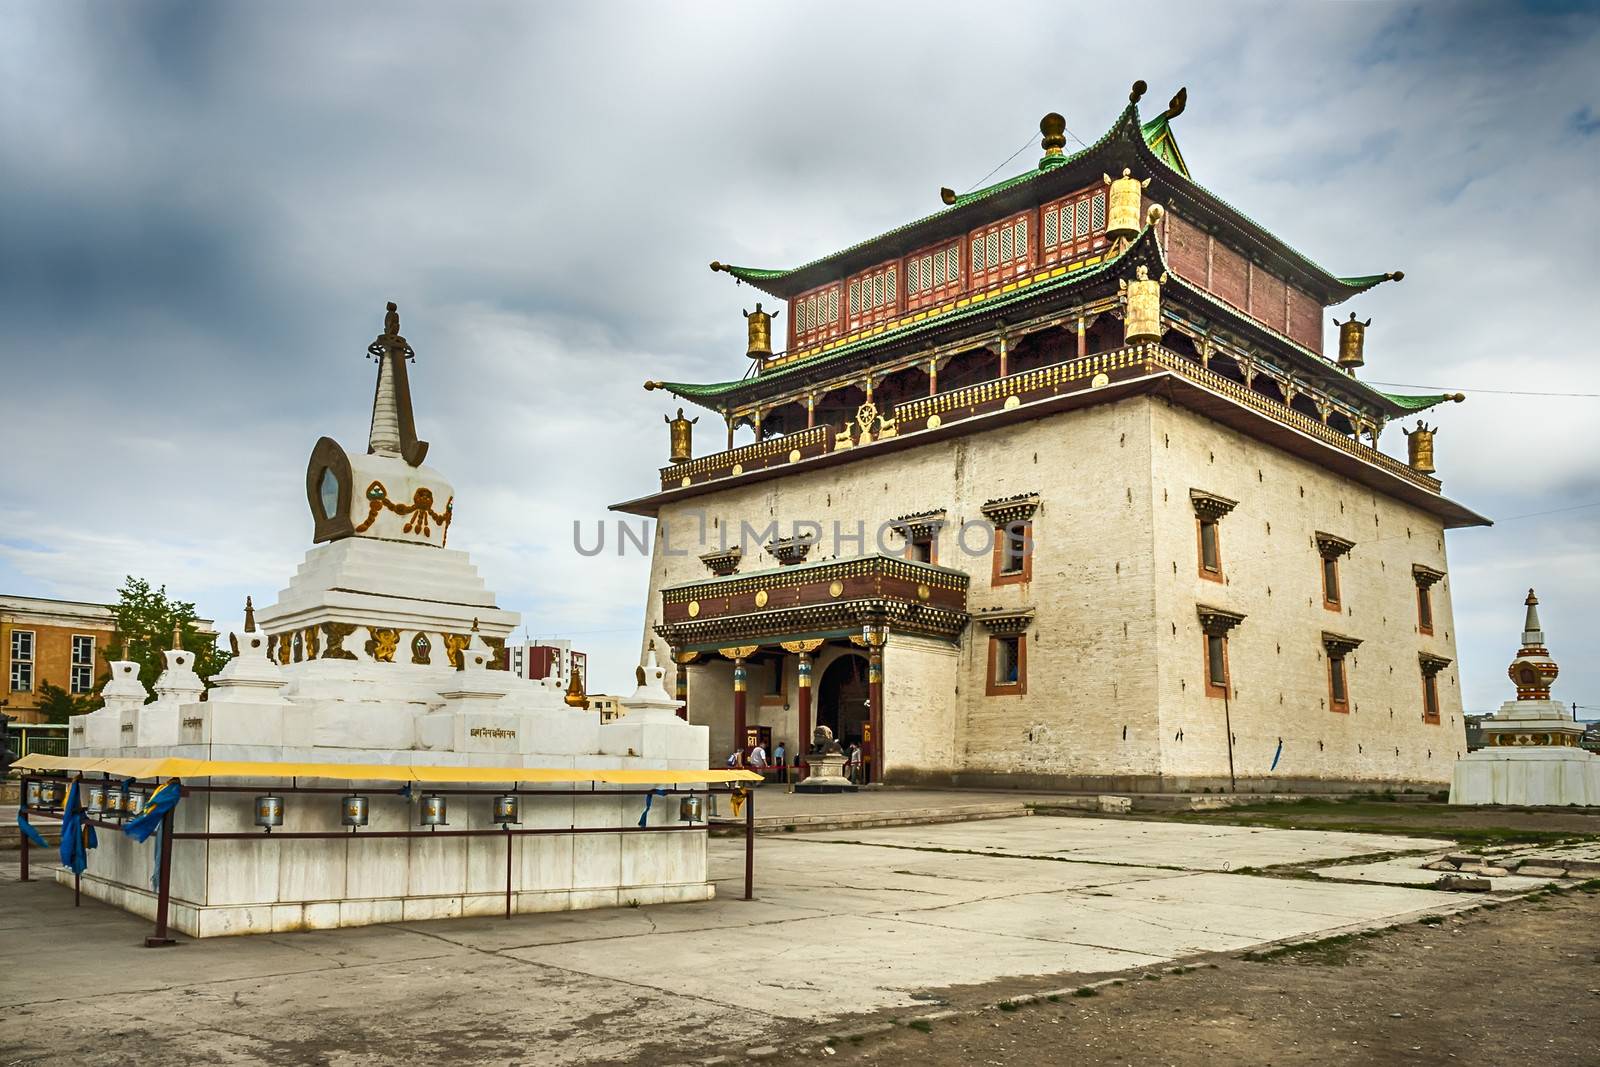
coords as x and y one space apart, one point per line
387 649
1532 755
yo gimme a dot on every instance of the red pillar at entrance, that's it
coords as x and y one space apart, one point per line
804 704
875 634
738 705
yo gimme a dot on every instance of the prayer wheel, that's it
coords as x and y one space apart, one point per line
691 810
759 325
1419 447
1352 341
35 795
1141 319
95 798
1125 216
134 803
508 809
51 794
681 431
354 810
433 810
269 811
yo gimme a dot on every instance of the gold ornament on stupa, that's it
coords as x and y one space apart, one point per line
1054 128
576 697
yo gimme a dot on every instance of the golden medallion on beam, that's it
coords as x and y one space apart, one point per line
694 609
761 598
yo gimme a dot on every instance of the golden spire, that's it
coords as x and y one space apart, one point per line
177 636
575 697
1054 128
249 616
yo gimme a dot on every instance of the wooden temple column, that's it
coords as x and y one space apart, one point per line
803 649
811 410
933 376
729 419
738 654
1003 355
680 682
1083 337
875 634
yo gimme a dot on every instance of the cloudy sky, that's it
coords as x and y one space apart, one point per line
203 207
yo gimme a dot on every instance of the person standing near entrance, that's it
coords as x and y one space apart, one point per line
855 763
780 758
758 759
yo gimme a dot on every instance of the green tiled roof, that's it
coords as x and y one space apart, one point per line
1421 403
1156 136
713 390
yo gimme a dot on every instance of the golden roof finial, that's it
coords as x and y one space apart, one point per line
249 616
1138 91
575 697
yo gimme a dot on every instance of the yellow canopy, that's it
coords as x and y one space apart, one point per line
180 767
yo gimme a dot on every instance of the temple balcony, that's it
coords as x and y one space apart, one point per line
1097 378
827 599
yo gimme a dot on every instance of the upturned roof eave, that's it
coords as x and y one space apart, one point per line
1126 129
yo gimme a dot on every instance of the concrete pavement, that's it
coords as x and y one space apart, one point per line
846 922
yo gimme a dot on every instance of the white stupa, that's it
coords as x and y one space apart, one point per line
1532 755
387 648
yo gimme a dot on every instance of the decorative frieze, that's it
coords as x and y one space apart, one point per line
1332 546
1339 644
1217 621
1210 505
1007 510
1005 621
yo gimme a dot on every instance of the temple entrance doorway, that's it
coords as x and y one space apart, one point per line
842 699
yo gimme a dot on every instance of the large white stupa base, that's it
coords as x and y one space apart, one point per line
262 885
1530 776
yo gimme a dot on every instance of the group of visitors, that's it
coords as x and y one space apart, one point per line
756 759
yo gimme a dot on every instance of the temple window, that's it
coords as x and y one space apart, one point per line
1431 666
1007 664
874 296
1425 577
998 252
1215 624
816 316
1013 538
1074 225
1330 548
1209 510
933 275
1338 647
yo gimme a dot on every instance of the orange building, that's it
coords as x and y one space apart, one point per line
62 642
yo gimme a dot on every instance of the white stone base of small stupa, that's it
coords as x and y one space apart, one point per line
1531 776
1512 770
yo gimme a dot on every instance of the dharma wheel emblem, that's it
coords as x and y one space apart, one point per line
866 415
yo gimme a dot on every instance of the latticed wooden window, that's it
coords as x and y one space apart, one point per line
815 316
932 276
999 251
1075 225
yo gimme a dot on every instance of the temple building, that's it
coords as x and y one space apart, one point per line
1058 487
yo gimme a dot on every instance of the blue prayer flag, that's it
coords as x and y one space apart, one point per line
148 821
77 836
29 830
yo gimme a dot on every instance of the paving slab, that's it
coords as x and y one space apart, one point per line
1182 846
843 924
1409 871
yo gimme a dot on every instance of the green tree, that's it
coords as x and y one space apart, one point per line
58 705
149 623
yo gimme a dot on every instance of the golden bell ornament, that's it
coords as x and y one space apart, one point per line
759 325
1352 342
1141 319
1126 211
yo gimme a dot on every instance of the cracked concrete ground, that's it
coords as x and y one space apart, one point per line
846 923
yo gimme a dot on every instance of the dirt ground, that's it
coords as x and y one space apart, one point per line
1515 983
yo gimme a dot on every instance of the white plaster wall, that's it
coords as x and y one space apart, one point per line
919 697
1276 658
